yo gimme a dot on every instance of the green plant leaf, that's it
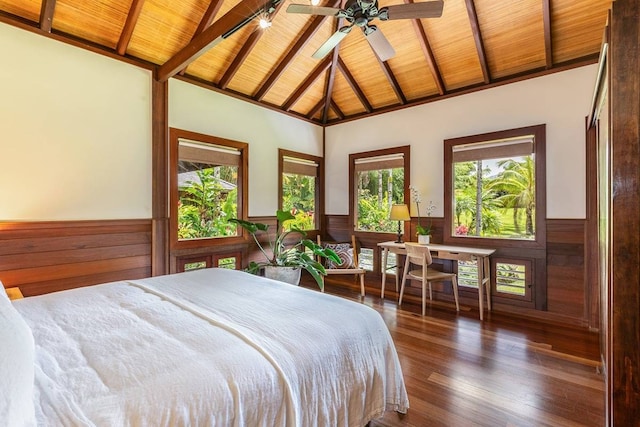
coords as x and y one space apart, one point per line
283 216
251 227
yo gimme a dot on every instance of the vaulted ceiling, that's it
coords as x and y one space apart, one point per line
474 44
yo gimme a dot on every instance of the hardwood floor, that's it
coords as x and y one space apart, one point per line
501 372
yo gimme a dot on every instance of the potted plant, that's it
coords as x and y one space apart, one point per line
423 232
288 259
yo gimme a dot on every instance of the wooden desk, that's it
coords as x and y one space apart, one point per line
457 253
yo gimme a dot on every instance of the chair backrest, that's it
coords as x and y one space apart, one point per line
418 254
354 247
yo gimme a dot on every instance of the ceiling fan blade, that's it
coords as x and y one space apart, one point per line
430 9
379 43
312 10
331 42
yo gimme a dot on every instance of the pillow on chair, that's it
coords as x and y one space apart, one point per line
344 251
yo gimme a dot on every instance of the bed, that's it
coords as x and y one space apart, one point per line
208 347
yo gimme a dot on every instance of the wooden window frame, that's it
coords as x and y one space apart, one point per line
319 193
540 242
405 150
211 260
243 181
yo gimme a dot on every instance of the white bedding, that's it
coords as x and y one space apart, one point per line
209 347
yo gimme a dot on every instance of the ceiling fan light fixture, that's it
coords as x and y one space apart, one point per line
264 23
315 2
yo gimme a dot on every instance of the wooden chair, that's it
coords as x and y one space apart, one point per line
352 269
421 256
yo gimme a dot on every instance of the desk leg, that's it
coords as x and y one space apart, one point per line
385 253
480 265
487 272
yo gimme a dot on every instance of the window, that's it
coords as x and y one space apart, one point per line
495 191
495 185
377 182
208 181
230 260
300 187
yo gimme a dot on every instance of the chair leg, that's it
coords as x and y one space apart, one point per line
430 292
454 284
424 296
361 283
404 280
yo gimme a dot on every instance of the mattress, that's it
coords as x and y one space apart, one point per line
209 347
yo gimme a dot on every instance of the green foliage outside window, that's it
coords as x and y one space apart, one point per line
299 198
495 198
377 190
205 205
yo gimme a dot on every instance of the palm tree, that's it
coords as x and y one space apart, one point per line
516 184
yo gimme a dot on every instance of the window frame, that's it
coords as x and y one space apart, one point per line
539 150
405 150
319 193
174 137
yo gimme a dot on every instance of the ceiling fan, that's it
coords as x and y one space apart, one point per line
360 13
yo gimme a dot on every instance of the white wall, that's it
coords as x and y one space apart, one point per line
200 110
75 132
560 100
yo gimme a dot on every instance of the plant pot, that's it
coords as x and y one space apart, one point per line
289 275
424 239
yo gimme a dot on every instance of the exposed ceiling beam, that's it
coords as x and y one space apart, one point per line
337 110
129 25
548 46
236 18
328 90
282 65
477 36
316 108
386 69
245 50
428 53
354 85
207 19
302 89
46 15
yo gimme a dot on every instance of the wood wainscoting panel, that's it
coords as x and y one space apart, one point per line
566 284
48 256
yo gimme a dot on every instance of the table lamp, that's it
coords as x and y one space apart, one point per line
399 213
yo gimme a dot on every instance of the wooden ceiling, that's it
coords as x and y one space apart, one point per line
473 45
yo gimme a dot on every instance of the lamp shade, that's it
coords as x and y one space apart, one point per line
399 213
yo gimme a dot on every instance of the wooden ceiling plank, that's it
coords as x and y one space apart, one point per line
246 49
46 15
209 16
129 25
477 36
215 33
336 110
207 19
302 89
428 53
354 85
301 43
548 46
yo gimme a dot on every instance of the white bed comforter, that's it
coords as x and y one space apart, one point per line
210 347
